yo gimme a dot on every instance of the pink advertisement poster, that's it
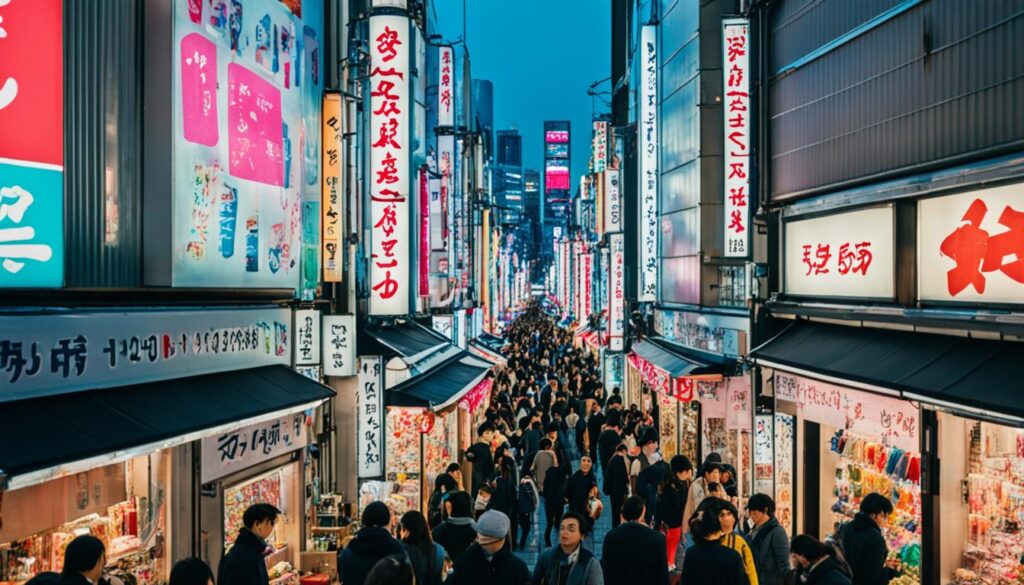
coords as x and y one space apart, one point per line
254 127
199 89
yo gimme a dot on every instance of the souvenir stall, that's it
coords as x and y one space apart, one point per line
125 505
471 411
671 401
403 456
725 427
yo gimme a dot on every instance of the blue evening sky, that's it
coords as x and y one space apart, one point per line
541 56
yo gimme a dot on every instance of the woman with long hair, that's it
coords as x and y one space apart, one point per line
671 500
427 557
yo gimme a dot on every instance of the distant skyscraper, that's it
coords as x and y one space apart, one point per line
510 148
557 188
483 108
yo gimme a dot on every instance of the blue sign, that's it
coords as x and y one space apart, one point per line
31 227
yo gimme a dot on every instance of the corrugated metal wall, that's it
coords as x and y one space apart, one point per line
941 83
103 144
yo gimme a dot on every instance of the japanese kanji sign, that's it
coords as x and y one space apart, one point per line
389 165
55 354
971 246
648 172
612 201
370 418
445 86
599 147
617 292
339 345
893 421
843 255
31 144
736 153
236 450
307 337
332 202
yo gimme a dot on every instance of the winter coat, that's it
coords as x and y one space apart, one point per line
554 488
505 497
577 491
828 572
585 571
455 535
529 498
633 553
244 564
770 546
670 505
594 425
616 477
544 461
736 543
710 563
866 551
474 568
427 562
607 441
479 454
371 544
694 497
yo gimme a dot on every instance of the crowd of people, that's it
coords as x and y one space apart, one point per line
671 522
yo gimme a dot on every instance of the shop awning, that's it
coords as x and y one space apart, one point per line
493 342
670 372
482 350
675 364
49 436
406 338
977 377
441 387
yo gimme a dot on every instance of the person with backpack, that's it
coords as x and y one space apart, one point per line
458 531
818 563
769 541
569 563
529 501
864 545
445 483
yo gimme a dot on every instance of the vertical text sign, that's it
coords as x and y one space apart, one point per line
339 332
369 428
332 202
735 52
307 337
445 85
617 293
389 165
648 174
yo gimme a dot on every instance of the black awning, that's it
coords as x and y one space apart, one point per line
405 338
676 364
976 376
491 342
44 432
442 386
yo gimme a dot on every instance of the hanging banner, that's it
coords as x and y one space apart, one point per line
612 202
445 87
764 454
890 420
843 255
370 419
339 345
648 174
389 165
424 247
736 108
617 293
307 337
252 445
660 380
31 144
332 197
737 394
436 216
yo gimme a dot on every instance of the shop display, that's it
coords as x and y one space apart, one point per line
403 457
867 466
785 446
265 489
668 409
764 474
995 487
440 447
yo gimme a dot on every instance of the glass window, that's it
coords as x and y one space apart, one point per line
732 290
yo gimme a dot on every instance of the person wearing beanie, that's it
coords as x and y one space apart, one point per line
372 543
490 560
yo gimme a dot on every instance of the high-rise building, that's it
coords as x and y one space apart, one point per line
510 148
557 187
483 109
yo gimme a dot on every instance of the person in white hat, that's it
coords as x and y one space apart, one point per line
490 559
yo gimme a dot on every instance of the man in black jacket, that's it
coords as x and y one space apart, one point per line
458 531
609 439
244 564
84 559
616 481
482 458
595 424
490 560
769 542
372 543
633 552
577 488
863 543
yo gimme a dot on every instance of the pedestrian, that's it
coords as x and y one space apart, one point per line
51 578
634 553
769 541
595 507
707 562
482 458
648 448
616 481
530 442
818 563
243 565
577 489
529 501
190 571
458 531
392 570
554 500
483 500
558 445
710 473
489 561
864 546
445 483
728 480
84 560
729 518
595 427
671 500
372 543
609 439
426 556
544 460
647 483
569 563
505 492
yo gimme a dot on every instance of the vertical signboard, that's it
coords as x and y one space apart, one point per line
446 168
31 144
599 150
307 337
389 165
370 419
339 344
423 268
736 108
333 196
612 201
648 174
617 293
445 87
587 284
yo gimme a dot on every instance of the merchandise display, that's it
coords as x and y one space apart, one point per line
403 457
785 447
668 410
440 447
995 487
866 466
264 489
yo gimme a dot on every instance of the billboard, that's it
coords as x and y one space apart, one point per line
736 110
247 88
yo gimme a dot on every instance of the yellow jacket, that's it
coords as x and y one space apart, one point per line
736 543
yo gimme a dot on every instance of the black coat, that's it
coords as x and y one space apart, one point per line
371 544
479 454
670 505
866 551
473 568
607 441
554 488
829 572
505 498
709 563
244 564
633 553
770 547
616 477
577 491
594 430
455 538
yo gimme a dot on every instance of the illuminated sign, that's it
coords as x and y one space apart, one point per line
735 73
556 136
617 293
445 87
648 175
599 147
389 165
333 198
